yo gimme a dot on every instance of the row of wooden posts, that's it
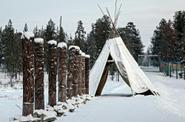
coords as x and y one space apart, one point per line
71 65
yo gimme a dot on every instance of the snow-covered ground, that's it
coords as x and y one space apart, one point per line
116 104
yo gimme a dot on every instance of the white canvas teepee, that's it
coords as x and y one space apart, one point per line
126 65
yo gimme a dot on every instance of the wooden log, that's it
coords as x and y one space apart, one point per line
39 73
87 70
28 69
62 71
52 72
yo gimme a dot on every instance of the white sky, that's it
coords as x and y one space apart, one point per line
146 14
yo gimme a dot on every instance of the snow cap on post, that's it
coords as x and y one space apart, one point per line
39 40
62 45
52 42
27 35
75 47
87 56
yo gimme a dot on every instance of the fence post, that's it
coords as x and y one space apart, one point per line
80 74
52 72
39 73
62 71
28 69
87 69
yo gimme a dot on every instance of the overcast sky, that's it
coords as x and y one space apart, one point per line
146 14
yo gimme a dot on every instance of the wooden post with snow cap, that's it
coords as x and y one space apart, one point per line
39 73
87 70
28 70
62 71
52 72
73 71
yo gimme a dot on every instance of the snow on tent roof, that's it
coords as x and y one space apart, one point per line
126 65
52 42
62 45
39 40
27 35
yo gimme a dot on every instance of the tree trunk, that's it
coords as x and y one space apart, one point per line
52 74
39 75
62 71
28 78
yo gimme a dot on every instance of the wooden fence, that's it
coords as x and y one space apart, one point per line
71 66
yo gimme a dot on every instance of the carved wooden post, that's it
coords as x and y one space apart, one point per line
39 73
87 69
52 72
28 69
62 71
72 82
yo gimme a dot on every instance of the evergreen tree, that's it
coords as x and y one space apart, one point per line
49 33
80 36
102 33
163 41
25 28
61 34
179 25
91 45
9 50
1 48
132 39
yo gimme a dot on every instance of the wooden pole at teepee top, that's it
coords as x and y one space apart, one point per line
52 72
39 73
62 71
28 78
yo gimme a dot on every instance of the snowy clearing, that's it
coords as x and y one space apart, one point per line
116 104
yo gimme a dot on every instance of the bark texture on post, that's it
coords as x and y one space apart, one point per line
87 70
39 73
62 71
72 81
52 72
80 75
28 70
83 75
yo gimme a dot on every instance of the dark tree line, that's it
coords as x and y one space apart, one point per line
168 39
91 43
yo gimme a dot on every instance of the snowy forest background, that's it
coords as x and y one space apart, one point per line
168 40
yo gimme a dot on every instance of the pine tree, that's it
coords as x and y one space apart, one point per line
163 41
9 50
25 28
132 39
80 36
179 25
61 34
102 33
1 48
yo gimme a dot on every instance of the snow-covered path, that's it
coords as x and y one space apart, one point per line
116 104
